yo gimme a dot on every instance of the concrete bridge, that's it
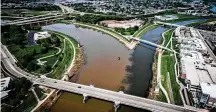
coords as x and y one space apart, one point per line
153 44
41 21
34 19
111 96
91 91
13 17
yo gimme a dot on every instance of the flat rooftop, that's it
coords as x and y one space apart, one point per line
209 89
197 71
191 54
194 43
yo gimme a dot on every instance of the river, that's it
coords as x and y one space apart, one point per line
132 73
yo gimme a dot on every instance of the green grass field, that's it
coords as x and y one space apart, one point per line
67 56
145 29
161 97
167 36
167 65
50 60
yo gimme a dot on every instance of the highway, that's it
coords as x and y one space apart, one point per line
32 20
112 96
33 17
9 63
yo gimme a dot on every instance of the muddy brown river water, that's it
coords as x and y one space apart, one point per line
132 73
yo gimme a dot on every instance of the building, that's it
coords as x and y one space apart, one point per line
189 39
166 17
208 98
41 35
196 66
193 45
4 85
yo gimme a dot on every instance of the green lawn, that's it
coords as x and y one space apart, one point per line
67 56
51 60
145 29
140 29
50 52
164 70
167 65
167 36
183 17
161 97
127 33
186 16
202 22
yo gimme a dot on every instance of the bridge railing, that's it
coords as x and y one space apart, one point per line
112 96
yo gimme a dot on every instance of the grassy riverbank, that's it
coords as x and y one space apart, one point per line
168 79
144 29
104 30
168 72
152 95
66 56
184 17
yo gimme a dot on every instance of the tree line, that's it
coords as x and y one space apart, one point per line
94 19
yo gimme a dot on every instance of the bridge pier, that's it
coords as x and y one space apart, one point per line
85 98
117 105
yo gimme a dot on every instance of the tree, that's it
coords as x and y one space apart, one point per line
136 28
53 35
32 66
43 50
45 69
213 109
34 52
205 1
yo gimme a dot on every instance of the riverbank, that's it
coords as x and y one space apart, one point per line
74 62
152 95
101 64
121 38
126 41
144 29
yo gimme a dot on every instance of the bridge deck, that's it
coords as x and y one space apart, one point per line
112 96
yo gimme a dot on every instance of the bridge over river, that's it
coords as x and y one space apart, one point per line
112 96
